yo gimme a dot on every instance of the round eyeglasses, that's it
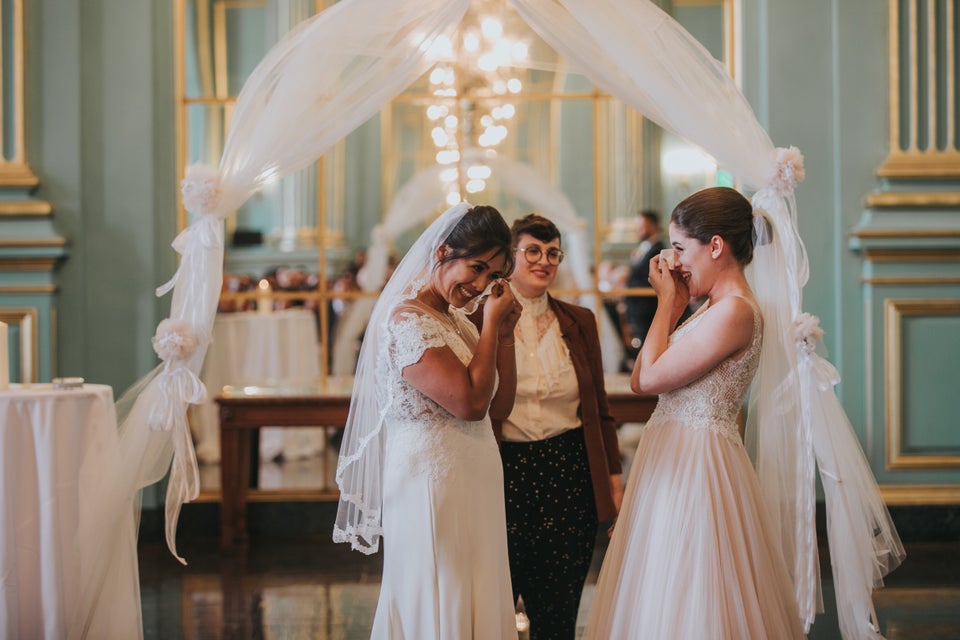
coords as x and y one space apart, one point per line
533 254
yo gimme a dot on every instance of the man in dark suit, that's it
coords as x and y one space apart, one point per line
639 310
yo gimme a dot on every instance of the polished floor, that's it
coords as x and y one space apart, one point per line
292 582
289 586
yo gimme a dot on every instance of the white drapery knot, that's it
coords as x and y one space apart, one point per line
786 171
200 189
178 385
207 230
175 340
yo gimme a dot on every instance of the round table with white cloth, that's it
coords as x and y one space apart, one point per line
252 348
54 446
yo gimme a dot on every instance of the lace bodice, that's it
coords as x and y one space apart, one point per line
713 401
421 434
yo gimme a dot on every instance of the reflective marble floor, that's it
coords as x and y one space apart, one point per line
289 586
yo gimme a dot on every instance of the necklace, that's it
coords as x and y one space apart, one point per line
453 322
443 311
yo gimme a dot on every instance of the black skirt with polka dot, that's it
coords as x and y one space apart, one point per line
551 529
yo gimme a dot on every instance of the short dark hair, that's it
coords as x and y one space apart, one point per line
535 225
482 229
718 211
650 215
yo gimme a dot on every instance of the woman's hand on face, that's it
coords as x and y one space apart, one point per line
501 309
662 279
668 284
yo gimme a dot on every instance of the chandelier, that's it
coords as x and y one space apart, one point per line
473 85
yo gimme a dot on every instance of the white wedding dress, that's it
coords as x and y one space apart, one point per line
445 571
693 554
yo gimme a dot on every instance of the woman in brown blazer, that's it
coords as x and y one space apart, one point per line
561 461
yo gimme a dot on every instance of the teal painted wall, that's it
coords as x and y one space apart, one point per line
101 139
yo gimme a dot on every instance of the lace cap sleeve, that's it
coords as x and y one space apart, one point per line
411 333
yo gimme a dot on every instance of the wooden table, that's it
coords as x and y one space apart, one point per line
244 410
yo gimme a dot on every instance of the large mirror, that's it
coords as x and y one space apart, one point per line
501 120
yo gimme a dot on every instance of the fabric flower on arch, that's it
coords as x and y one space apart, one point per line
807 331
200 189
786 171
174 340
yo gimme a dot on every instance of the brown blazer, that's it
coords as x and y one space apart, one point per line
578 326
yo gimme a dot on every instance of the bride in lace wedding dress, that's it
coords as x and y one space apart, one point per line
419 464
693 554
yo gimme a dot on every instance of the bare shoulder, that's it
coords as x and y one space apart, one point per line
731 321
735 309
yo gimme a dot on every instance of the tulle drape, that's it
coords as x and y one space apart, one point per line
335 71
325 78
360 465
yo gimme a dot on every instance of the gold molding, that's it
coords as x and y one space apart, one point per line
34 242
921 79
26 317
915 164
17 174
25 208
895 309
912 255
920 494
28 264
914 199
43 288
906 233
14 170
910 280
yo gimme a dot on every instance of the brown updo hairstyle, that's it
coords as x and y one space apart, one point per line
481 230
534 225
718 211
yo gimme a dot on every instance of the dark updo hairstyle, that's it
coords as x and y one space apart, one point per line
481 230
534 225
718 211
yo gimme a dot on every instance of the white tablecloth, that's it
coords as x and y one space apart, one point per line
54 445
253 349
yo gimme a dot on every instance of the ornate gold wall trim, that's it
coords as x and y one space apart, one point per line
28 264
34 242
25 208
927 164
908 280
28 289
16 174
912 255
906 233
914 199
895 309
920 494
923 91
26 318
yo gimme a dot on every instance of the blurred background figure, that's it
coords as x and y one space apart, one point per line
639 310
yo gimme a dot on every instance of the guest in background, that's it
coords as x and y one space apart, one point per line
561 462
639 310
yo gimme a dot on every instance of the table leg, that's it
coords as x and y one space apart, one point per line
243 484
230 488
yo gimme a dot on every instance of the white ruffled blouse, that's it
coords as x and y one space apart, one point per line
547 393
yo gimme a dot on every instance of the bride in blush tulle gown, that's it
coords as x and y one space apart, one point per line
693 554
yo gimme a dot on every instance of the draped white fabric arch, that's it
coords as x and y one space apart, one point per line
334 72
421 196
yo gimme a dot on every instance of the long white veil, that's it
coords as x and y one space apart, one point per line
334 72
